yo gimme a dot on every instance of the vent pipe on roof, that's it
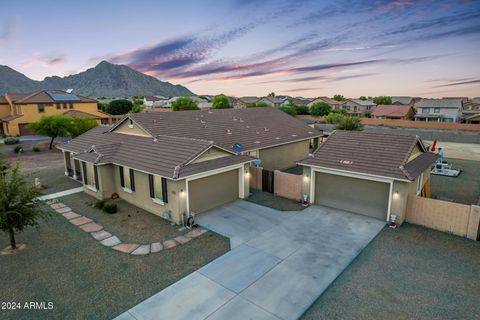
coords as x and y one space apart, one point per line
228 131
266 129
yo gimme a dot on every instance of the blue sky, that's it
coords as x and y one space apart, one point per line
300 48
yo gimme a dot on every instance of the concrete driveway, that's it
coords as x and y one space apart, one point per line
281 262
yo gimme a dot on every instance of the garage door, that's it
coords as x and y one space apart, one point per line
366 197
24 130
213 191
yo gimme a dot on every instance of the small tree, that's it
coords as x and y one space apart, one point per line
271 94
339 97
221 102
19 203
382 100
302 109
184 103
363 98
288 109
121 106
320 109
260 104
80 125
102 106
52 126
334 117
349 123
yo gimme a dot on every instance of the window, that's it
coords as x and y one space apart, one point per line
70 105
419 184
426 110
64 106
41 107
158 189
127 179
436 110
59 106
90 176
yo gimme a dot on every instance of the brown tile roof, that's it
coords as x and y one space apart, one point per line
3 100
254 128
42 97
165 155
78 113
393 110
329 101
11 117
371 153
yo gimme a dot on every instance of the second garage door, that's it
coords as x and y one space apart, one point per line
213 191
366 197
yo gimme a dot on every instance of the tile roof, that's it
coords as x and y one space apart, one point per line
273 100
440 103
164 155
42 97
329 101
371 153
78 113
362 102
254 128
11 117
248 99
3 100
155 98
393 110
402 100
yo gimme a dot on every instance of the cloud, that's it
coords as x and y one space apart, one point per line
47 60
9 29
458 83
300 89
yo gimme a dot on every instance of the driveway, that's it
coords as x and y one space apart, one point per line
281 262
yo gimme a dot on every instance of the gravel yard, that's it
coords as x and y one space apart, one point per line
407 273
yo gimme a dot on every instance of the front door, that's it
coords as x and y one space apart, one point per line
268 179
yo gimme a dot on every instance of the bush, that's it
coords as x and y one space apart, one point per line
349 123
320 109
110 208
221 102
334 118
302 109
11 140
118 107
288 109
184 103
36 149
100 204
18 149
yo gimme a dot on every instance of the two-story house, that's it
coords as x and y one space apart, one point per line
439 110
336 105
18 110
357 107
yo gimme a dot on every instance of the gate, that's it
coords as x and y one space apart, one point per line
268 181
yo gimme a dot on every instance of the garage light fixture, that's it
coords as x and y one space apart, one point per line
306 178
396 195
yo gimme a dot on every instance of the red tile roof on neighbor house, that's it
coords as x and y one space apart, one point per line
393 110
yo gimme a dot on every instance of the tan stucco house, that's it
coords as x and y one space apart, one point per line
368 173
176 163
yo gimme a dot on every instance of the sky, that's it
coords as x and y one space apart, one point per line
244 48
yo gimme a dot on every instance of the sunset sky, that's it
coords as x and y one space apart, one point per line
299 48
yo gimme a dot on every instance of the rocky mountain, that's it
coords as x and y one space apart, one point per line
104 80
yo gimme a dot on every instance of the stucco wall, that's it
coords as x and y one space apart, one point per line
135 130
284 156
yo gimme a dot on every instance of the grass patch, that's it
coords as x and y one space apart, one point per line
85 280
407 273
270 200
54 179
463 189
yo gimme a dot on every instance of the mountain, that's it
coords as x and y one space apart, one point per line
104 80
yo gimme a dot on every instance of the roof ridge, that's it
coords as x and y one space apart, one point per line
30 95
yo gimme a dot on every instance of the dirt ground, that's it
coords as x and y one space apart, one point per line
465 151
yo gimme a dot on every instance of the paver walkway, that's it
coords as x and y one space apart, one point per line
109 240
281 263
61 194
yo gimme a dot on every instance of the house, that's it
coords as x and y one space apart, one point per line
18 110
403 100
176 163
368 173
471 112
299 101
271 101
245 102
393 111
358 107
337 105
154 101
439 110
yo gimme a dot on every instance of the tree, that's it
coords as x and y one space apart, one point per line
184 103
382 100
137 106
52 126
260 104
288 109
334 117
80 125
320 109
349 123
118 107
302 109
19 203
102 106
363 98
221 102
271 94
339 97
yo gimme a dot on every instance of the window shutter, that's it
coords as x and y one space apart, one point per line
152 187
132 180
84 166
122 180
164 190
95 174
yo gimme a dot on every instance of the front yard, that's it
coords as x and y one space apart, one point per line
53 178
407 273
85 280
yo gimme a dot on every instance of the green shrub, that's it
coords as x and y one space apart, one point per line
100 204
288 109
320 109
302 109
349 123
334 117
110 208
36 149
11 140
18 149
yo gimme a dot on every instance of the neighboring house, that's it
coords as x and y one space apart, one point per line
154 101
175 163
299 101
368 173
272 101
439 110
18 110
403 100
331 102
471 112
244 102
357 107
393 111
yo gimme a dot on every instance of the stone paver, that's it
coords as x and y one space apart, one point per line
169 244
63 210
182 239
195 232
81 220
91 227
156 247
142 250
126 247
57 205
110 242
101 235
70 215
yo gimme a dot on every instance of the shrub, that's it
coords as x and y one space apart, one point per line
36 149
334 117
18 149
302 109
288 109
110 208
320 109
349 123
11 140
184 103
100 204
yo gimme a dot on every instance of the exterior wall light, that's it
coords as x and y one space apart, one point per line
182 193
306 178
396 195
